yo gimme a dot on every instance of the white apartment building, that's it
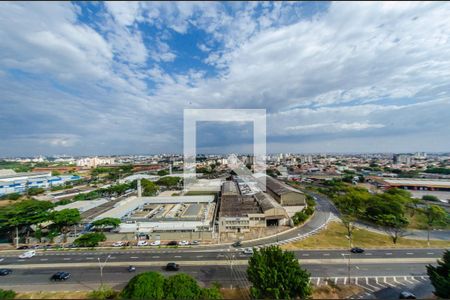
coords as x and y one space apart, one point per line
92 162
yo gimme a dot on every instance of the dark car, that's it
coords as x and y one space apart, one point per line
4 272
172 267
407 295
60 276
357 250
172 243
22 247
237 244
131 269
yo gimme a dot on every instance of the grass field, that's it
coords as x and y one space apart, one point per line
334 237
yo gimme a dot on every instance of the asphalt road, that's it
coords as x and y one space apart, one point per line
150 255
89 278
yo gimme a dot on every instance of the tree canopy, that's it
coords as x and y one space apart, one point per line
440 276
106 222
152 285
148 285
276 274
64 218
91 239
169 181
149 188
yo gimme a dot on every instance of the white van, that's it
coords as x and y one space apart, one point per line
142 243
28 254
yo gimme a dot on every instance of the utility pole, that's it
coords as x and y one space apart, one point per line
101 266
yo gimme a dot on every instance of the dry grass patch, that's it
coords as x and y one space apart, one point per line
335 291
334 237
53 295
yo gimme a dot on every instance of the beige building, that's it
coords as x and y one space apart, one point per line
240 214
284 194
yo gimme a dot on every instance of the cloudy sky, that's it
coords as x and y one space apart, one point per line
113 78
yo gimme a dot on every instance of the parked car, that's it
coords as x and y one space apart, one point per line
155 243
172 243
237 244
195 242
407 295
28 254
142 243
23 247
248 251
172 267
119 244
60 276
183 243
357 250
4 272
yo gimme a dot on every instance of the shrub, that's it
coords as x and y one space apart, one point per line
7 294
309 210
299 218
430 198
103 293
90 239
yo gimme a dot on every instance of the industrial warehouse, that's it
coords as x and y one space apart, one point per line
237 208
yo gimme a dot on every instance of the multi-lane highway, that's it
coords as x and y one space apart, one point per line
221 256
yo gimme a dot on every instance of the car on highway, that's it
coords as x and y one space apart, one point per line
118 244
4 272
237 244
172 243
248 251
142 243
23 247
155 243
172 267
195 242
131 269
183 243
407 295
60 276
28 254
357 250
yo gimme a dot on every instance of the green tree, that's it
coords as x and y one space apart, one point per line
430 198
169 181
276 274
181 286
12 196
149 188
65 218
435 216
7 294
162 172
33 191
440 276
56 173
21 215
394 226
148 285
106 222
91 239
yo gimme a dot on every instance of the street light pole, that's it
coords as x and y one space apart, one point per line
101 266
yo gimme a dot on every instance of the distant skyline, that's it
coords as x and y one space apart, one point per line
107 78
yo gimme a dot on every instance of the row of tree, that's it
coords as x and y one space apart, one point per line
391 210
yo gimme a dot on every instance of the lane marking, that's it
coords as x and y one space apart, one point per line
155 256
66 258
326 254
430 253
89 258
409 253
44 259
389 253
177 256
134 257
